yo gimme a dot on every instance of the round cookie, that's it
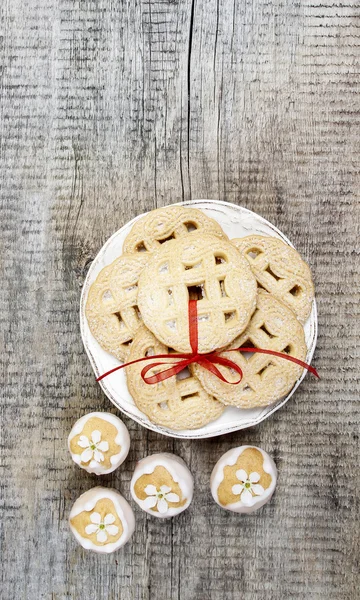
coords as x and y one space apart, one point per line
207 269
164 224
99 443
244 479
111 307
101 520
266 378
280 270
178 402
162 485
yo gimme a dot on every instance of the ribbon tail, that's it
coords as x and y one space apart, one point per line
297 361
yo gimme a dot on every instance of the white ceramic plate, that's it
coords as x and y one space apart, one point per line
236 222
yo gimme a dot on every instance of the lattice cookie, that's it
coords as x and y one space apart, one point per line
164 224
111 307
177 402
201 267
266 378
280 270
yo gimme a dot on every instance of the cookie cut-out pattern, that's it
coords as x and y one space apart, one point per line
204 268
265 378
280 270
111 308
176 403
164 224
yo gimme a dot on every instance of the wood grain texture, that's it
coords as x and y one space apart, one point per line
111 108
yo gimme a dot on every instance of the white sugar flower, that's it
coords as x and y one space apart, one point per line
101 528
94 448
248 487
159 498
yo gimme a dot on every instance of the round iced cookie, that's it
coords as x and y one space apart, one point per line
99 443
101 520
162 485
244 479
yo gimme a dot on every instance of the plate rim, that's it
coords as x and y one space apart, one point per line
146 422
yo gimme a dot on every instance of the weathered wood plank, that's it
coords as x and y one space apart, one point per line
112 108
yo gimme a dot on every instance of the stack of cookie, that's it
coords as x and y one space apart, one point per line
252 292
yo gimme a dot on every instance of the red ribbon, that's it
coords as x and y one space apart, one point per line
208 361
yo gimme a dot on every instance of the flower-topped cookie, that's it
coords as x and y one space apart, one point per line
99 442
162 485
101 520
244 479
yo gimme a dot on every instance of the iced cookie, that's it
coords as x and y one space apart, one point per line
99 443
111 308
178 402
162 485
266 378
244 479
101 520
164 224
204 268
280 270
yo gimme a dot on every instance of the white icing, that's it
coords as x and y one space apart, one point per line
180 474
256 501
87 502
95 466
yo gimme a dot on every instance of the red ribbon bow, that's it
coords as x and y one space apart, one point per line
208 361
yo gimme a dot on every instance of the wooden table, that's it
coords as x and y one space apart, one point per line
110 108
